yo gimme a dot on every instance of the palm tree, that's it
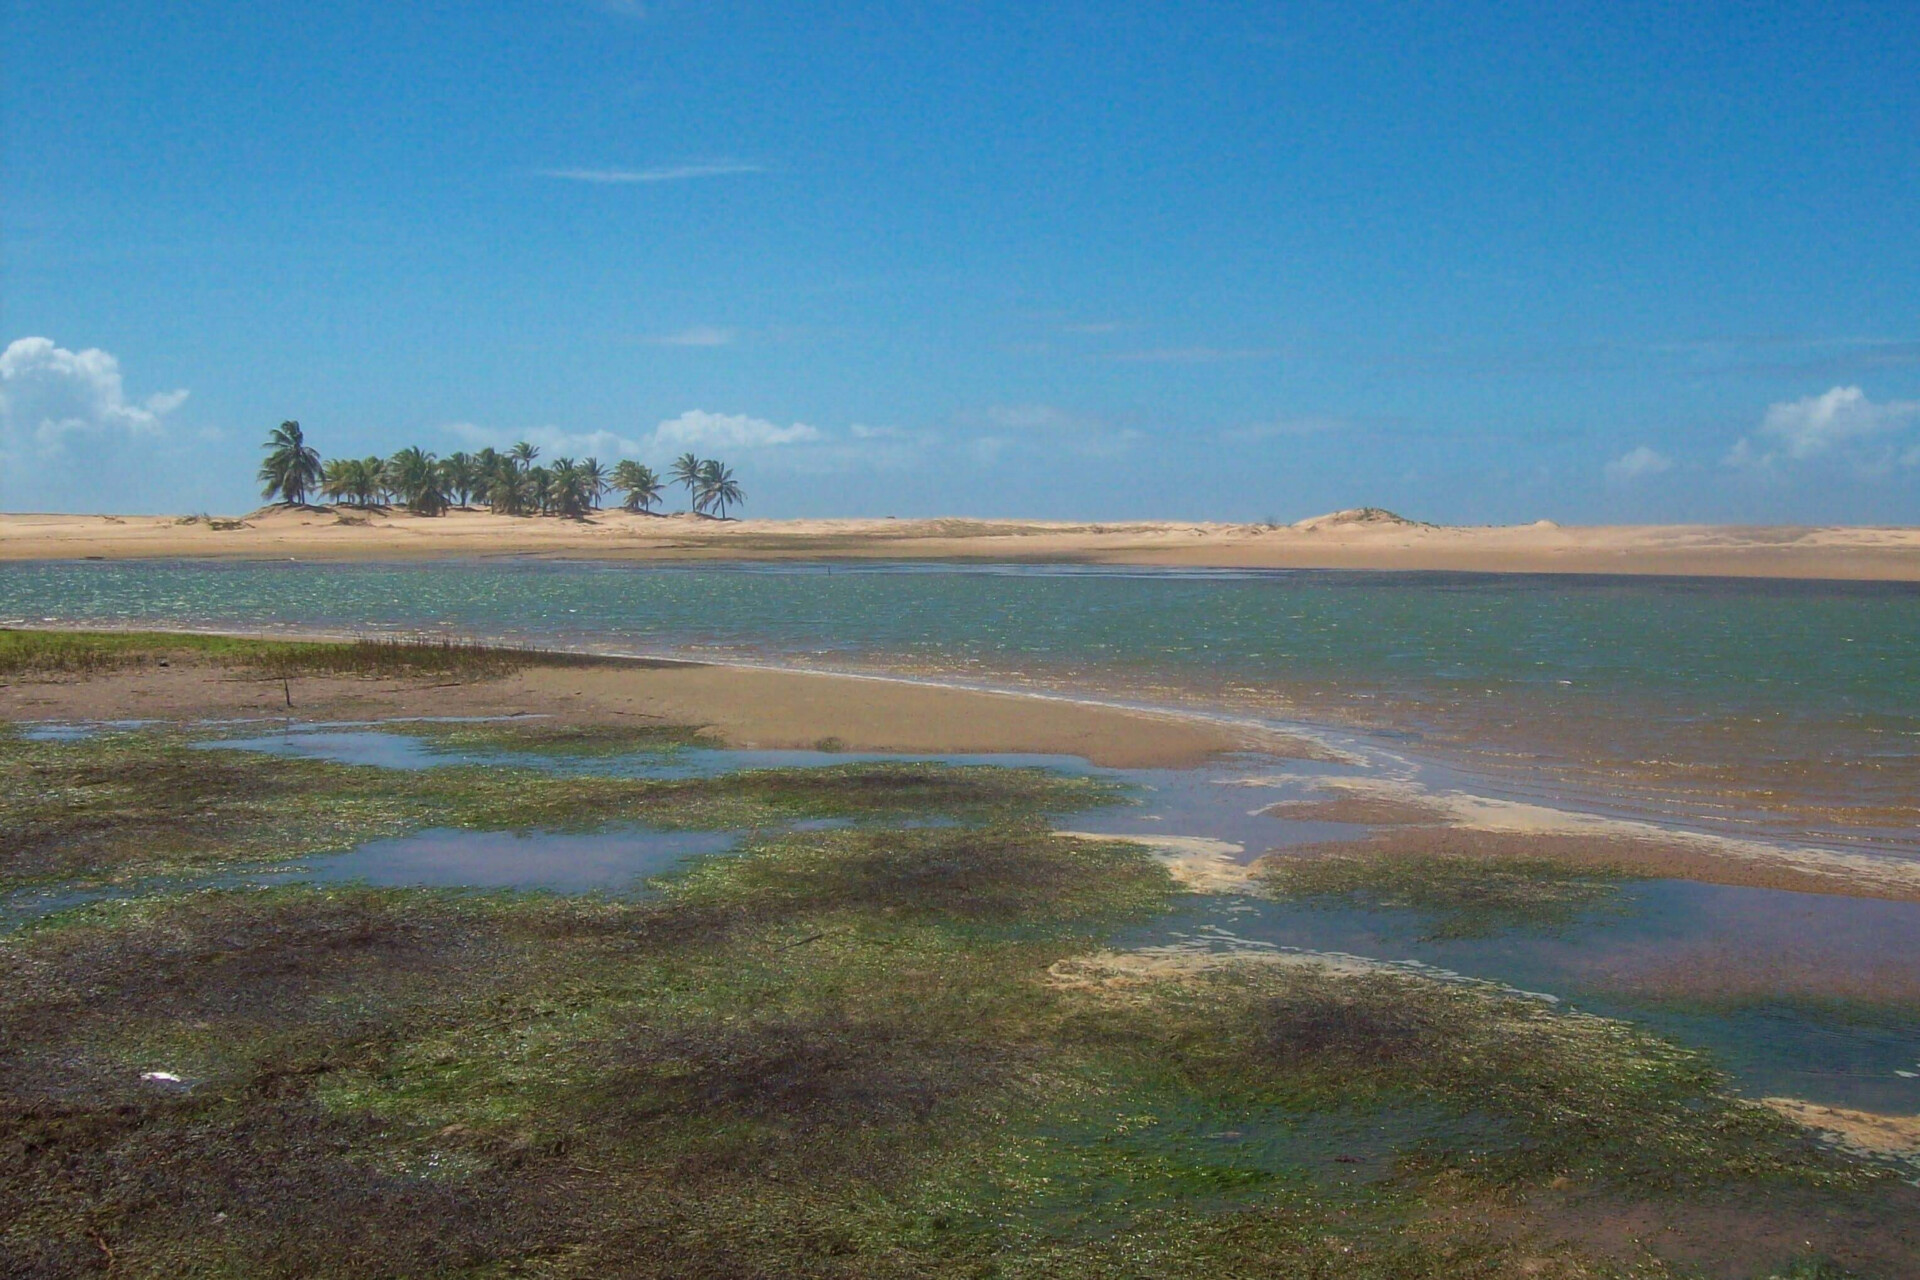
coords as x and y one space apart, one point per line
509 489
376 481
523 455
417 480
686 471
540 485
459 473
570 494
486 465
291 467
338 480
641 484
594 476
718 488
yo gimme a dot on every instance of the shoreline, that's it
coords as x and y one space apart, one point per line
769 707
1365 541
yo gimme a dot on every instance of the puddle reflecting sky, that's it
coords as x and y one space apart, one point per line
1799 994
616 859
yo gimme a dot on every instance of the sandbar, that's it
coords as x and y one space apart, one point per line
742 707
1356 539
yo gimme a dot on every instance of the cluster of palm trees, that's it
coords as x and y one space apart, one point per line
510 483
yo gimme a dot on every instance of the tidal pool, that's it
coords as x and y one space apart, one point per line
616 859
1796 994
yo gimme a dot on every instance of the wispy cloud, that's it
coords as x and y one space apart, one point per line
700 335
1194 355
1012 428
1281 429
1637 463
697 429
668 173
766 445
553 442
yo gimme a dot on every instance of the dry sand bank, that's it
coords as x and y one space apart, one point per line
743 707
1345 540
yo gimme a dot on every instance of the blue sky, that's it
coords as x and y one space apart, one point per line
1593 262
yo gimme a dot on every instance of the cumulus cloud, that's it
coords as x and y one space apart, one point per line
1838 422
48 394
697 429
1637 463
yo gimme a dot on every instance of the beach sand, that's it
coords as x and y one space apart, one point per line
1344 540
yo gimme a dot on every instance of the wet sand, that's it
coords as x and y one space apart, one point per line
742 707
1745 864
1342 540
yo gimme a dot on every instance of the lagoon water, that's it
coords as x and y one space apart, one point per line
1782 708
1776 710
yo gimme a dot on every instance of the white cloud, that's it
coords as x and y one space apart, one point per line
1637 463
798 448
700 335
1837 421
670 173
696 429
48 393
551 441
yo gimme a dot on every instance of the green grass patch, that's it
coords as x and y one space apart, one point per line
836 1053
143 803
543 737
85 653
1461 897
1534 1093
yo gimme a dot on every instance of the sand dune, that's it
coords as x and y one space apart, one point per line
1365 538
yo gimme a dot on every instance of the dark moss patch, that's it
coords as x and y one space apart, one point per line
135 802
1462 897
1537 1094
1006 874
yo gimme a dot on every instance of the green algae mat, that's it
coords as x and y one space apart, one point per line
883 1049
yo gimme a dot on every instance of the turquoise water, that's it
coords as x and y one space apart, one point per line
1763 647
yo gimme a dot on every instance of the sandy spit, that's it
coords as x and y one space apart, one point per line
1343 540
1460 824
746 707
1867 1133
1200 864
